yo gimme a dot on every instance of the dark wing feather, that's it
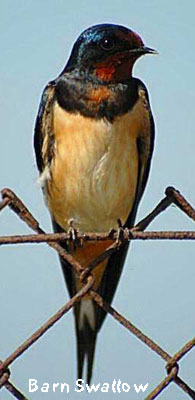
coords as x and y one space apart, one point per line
43 128
43 144
66 268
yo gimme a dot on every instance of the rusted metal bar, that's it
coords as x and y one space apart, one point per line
184 350
127 324
172 196
44 328
22 211
14 391
183 385
161 206
180 201
172 377
135 235
165 235
4 203
4 377
145 339
4 381
166 381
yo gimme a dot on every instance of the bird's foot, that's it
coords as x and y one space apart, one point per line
111 233
74 241
120 233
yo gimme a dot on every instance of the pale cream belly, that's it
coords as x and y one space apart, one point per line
93 177
94 173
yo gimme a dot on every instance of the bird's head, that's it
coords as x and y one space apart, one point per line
108 52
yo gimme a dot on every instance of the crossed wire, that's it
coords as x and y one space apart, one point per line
117 240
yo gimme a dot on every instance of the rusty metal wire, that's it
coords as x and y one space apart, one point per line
173 196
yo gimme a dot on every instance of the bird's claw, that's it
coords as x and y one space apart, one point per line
120 233
111 233
73 235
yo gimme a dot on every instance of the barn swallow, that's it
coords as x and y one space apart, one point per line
94 138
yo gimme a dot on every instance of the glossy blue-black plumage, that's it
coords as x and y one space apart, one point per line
86 49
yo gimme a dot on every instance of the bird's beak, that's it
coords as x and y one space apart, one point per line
143 50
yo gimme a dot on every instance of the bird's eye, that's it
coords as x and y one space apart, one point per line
107 44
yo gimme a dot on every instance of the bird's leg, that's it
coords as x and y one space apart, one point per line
73 233
111 233
120 232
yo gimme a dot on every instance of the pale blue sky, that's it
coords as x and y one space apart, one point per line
156 291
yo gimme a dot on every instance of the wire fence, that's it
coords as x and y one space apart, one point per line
117 239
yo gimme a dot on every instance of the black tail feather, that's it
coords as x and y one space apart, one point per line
86 341
80 354
86 335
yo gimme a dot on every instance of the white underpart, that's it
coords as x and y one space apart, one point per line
87 310
44 176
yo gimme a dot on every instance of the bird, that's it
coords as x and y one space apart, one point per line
94 140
